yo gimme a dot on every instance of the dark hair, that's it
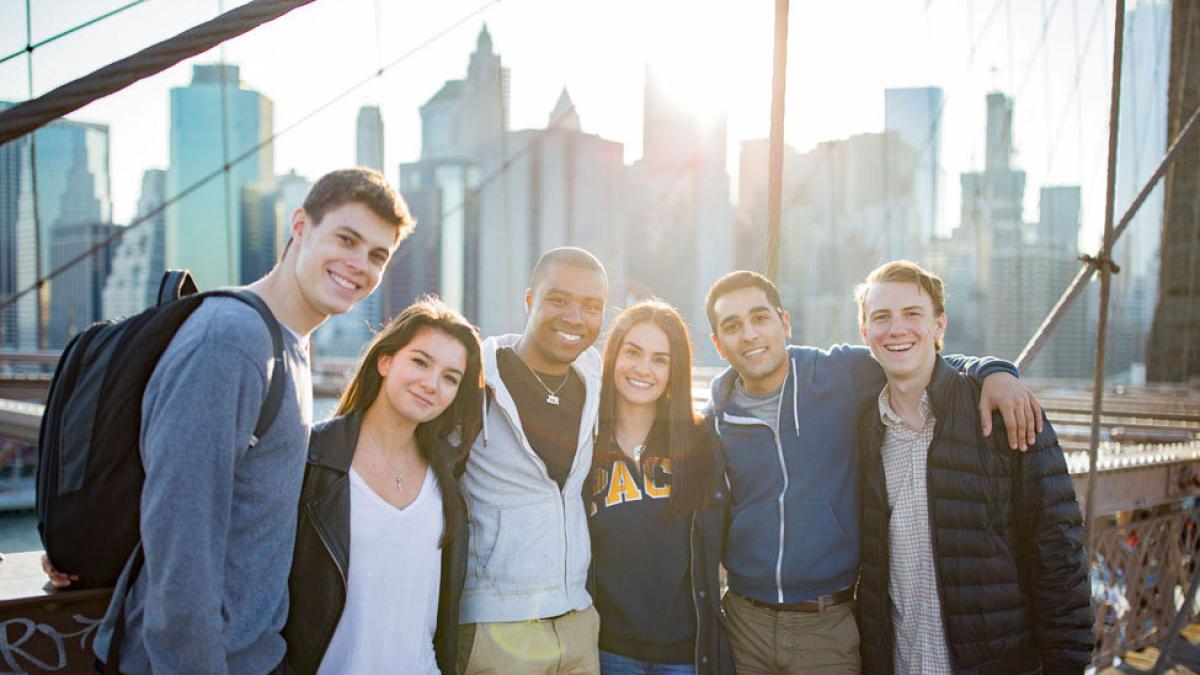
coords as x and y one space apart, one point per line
465 412
362 186
566 255
675 419
738 280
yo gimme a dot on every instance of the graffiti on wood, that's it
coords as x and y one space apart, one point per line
27 645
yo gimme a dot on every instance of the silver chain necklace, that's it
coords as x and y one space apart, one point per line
551 395
637 449
398 476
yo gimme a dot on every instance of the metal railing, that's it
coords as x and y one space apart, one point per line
1141 574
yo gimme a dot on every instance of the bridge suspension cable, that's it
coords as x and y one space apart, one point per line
204 180
30 115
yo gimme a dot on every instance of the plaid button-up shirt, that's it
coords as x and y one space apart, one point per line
920 636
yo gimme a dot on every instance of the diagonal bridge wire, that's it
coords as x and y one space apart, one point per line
116 236
31 46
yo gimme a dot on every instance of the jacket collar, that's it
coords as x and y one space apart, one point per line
940 389
333 442
941 386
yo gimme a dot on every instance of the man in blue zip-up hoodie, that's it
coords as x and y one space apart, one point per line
787 417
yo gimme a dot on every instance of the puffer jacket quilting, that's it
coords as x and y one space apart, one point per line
1013 581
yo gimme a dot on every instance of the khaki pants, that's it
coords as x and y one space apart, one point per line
562 646
768 641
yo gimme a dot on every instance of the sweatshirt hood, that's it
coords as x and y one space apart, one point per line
586 365
722 385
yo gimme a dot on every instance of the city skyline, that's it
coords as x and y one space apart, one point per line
468 124
1002 51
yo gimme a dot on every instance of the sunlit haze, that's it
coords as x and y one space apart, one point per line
715 57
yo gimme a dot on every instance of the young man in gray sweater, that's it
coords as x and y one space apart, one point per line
525 606
218 517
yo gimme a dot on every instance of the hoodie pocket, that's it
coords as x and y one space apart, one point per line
752 544
818 547
527 553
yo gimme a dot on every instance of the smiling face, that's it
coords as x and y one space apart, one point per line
752 336
340 260
902 329
565 312
422 378
643 366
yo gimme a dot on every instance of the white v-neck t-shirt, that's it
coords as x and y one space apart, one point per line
390 616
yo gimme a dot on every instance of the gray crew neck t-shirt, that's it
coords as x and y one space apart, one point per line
765 408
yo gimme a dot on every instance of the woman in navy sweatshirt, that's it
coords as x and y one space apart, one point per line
657 505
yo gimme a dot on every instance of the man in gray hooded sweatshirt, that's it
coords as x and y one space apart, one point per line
525 607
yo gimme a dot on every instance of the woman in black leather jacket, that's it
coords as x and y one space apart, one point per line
366 583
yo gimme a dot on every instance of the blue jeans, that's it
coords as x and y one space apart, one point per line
615 664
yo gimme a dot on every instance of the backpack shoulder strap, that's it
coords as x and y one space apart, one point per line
278 375
175 284
266 416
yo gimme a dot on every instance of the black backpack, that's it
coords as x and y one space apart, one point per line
89 472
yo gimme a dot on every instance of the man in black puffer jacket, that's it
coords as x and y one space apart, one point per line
1007 590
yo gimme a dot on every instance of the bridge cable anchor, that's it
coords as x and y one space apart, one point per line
1101 263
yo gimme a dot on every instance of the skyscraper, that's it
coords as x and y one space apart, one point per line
993 200
1142 134
369 138
214 120
1070 350
347 334
138 261
463 138
292 189
916 115
14 163
1003 274
72 190
476 236
1141 144
75 298
566 189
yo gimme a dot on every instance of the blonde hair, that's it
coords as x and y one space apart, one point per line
903 271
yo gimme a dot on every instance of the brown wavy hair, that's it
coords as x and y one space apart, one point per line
464 415
675 420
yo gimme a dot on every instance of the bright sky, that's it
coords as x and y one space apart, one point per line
717 55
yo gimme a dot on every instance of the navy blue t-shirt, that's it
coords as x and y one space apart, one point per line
640 557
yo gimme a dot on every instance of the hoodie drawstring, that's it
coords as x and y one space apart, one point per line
485 412
795 396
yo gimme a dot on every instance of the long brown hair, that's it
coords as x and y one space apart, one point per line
691 467
463 416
